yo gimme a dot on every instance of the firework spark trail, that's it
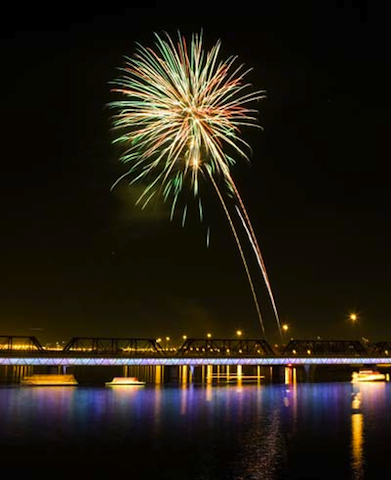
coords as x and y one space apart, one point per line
181 113
241 254
253 241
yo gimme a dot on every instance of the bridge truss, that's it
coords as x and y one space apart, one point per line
223 347
19 343
114 346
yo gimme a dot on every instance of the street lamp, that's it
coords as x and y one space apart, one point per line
209 335
239 333
285 328
353 317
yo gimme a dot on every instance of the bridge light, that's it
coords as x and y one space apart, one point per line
294 352
240 351
353 317
209 335
158 340
239 333
285 327
184 337
168 339
309 352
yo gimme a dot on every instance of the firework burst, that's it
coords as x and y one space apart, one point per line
179 119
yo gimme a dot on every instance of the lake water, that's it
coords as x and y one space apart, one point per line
198 432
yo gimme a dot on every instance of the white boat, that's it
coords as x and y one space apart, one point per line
49 380
368 376
124 382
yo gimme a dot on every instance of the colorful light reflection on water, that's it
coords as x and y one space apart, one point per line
193 432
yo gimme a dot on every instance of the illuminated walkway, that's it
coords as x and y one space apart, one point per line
73 360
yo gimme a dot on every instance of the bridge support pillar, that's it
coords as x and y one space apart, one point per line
290 375
159 374
171 373
277 373
184 373
309 373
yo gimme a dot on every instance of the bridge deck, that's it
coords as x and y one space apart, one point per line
88 360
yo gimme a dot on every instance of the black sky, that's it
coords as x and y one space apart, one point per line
78 259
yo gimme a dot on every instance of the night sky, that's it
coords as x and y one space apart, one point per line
79 260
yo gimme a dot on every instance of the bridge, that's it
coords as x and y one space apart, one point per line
97 351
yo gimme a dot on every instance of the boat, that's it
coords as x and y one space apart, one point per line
368 376
49 380
124 382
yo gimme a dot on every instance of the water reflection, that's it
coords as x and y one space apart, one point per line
368 399
229 431
358 446
264 449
